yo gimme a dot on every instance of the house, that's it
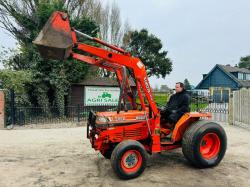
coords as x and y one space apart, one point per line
223 79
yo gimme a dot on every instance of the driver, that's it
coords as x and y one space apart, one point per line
177 105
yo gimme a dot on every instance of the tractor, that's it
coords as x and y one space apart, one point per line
134 131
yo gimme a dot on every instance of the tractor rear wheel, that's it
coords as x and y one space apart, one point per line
204 144
129 159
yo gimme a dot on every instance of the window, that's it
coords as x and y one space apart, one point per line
240 76
248 76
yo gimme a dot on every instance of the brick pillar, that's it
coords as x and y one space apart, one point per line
2 115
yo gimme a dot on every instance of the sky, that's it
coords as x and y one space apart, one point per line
196 33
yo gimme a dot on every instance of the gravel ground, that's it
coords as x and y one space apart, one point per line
64 157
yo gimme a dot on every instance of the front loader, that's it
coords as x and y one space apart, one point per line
126 136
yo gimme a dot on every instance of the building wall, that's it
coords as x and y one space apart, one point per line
76 95
218 78
219 84
220 94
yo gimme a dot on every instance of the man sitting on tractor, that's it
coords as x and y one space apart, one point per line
177 105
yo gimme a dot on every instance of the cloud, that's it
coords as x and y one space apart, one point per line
198 34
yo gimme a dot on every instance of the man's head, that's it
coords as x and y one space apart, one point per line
179 87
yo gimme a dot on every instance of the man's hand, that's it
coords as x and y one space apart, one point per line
166 110
173 111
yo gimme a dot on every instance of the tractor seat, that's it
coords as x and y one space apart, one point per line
165 132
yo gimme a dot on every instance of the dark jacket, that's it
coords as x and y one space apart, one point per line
179 102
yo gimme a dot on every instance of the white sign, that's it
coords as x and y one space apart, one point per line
95 96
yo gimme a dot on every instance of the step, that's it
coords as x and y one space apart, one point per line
166 141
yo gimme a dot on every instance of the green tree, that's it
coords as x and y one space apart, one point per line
149 49
50 78
244 62
18 81
187 84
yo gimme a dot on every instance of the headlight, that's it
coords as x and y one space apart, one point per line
101 119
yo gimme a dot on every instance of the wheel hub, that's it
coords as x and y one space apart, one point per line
210 146
131 160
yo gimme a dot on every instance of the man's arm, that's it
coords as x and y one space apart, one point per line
184 105
167 108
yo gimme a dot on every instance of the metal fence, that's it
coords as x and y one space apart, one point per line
204 102
20 115
219 111
41 115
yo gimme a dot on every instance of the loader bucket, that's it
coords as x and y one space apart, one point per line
54 40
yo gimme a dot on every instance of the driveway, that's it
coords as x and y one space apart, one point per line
64 157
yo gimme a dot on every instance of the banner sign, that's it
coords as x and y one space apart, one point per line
96 95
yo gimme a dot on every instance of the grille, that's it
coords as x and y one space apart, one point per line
138 132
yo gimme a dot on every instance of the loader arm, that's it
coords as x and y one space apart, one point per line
141 79
59 41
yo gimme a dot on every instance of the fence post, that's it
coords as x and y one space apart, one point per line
12 106
197 102
2 107
230 109
78 113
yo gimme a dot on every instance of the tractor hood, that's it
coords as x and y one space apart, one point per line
131 116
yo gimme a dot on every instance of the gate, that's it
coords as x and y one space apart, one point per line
204 102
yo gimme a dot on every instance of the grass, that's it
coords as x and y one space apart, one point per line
200 106
161 100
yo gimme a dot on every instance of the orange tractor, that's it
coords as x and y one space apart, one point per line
128 135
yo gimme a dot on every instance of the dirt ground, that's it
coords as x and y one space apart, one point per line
63 157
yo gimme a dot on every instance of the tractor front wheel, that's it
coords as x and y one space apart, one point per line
129 159
204 144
